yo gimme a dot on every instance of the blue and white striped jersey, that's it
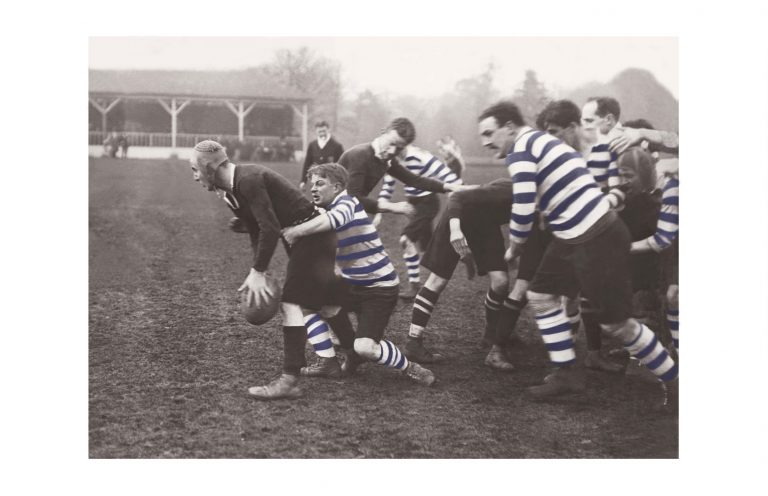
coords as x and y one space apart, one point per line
550 176
669 222
422 163
602 164
359 252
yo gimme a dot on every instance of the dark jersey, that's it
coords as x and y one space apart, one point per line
366 170
267 202
331 152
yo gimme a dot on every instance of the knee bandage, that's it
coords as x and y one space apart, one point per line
543 303
367 348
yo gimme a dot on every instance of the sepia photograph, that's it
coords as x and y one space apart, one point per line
390 246
384 247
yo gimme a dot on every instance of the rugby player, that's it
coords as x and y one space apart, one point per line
600 121
426 205
469 224
589 250
562 119
265 202
368 285
367 163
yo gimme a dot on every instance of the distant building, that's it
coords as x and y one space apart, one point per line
175 109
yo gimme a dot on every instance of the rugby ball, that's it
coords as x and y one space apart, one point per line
261 312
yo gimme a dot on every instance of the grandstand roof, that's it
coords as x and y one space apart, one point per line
251 84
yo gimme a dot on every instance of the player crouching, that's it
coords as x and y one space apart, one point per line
369 285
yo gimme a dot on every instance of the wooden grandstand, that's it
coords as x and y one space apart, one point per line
157 108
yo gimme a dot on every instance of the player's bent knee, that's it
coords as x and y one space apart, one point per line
519 289
435 283
292 315
367 348
542 303
673 293
329 311
409 247
626 330
499 281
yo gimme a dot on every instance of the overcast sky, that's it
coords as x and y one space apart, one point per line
424 67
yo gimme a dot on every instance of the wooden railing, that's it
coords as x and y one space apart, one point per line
189 140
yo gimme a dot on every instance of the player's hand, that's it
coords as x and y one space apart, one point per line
459 243
625 137
290 234
376 220
256 284
302 184
513 251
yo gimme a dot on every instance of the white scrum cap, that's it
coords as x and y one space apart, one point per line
211 153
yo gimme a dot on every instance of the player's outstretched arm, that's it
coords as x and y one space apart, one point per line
454 187
319 224
625 137
403 208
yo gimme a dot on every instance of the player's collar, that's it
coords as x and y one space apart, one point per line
336 200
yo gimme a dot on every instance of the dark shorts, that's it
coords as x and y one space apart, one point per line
373 306
646 271
533 252
310 275
419 227
598 267
483 237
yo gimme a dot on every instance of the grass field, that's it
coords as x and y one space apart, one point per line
170 357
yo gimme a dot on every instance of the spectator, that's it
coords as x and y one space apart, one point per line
122 142
110 145
323 150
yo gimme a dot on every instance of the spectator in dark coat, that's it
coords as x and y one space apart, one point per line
323 150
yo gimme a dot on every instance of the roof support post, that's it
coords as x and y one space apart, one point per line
241 112
104 111
174 109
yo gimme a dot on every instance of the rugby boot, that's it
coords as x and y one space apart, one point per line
497 361
323 367
284 387
237 225
417 373
595 361
563 380
411 292
351 362
415 351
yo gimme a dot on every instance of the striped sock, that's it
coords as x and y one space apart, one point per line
423 305
493 303
391 356
672 321
646 348
556 333
412 264
319 335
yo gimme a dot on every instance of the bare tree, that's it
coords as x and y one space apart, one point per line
316 76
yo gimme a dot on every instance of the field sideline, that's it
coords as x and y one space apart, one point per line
170 357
